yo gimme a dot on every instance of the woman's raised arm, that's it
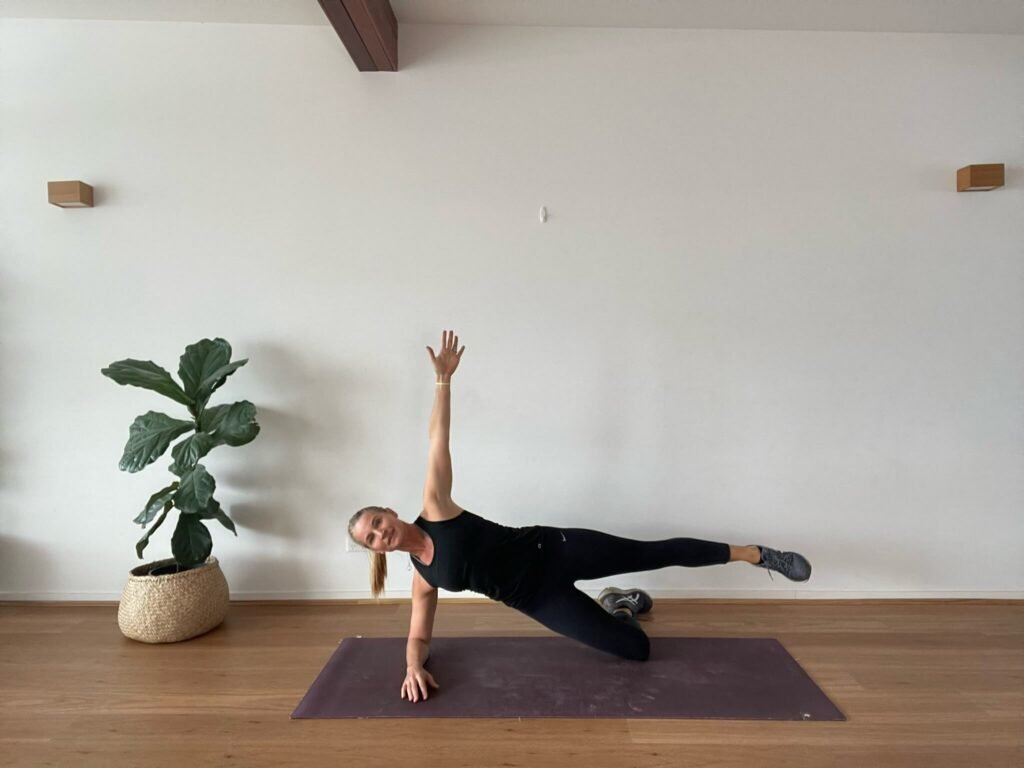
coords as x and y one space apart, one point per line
438 487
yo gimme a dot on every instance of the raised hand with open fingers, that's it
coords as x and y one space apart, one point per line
447 360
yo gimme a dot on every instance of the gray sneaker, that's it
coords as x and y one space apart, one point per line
636 600
792 565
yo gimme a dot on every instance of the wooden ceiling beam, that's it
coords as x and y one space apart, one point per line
369 31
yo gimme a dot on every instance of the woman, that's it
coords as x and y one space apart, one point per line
532 569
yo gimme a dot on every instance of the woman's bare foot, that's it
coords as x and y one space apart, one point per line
750 554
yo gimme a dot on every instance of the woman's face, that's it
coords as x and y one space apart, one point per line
379 531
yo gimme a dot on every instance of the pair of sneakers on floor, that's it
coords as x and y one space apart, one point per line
627 604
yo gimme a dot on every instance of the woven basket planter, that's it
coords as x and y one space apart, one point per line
175 606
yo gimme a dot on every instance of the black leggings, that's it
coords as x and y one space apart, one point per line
572 554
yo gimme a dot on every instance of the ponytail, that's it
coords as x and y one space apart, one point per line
378 573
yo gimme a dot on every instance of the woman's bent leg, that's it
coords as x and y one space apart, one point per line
582 553
564 609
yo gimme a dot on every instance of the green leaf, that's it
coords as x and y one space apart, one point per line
214 512
189 451
200 360
156 501
191 543
195 490
141 545
204 367
216 379
148 437
233 424
148 375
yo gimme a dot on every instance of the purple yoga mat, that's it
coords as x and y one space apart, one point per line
685 677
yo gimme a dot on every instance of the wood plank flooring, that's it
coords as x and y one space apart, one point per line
923 683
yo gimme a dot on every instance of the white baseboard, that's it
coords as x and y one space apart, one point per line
722 594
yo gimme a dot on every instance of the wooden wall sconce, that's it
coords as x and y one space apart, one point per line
977 178
70 194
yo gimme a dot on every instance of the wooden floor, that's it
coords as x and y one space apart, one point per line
923 684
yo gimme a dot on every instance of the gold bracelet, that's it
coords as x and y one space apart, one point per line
442 383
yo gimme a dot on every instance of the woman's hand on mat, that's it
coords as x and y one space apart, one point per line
415 686
447 360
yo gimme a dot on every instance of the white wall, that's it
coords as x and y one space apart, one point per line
758 313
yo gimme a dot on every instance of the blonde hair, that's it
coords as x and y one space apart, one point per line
378 560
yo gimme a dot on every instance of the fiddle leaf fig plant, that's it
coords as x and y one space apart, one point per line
203 369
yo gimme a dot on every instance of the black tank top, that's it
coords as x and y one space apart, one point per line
505 564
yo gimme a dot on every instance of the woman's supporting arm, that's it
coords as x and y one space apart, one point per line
416 653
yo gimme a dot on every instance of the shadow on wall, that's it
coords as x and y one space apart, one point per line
18 557
291 502
10 461
23 563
